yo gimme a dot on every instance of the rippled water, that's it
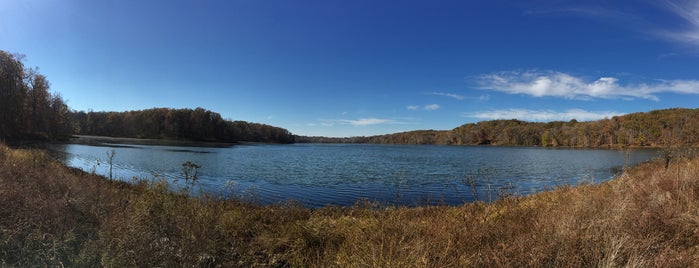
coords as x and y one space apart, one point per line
323 174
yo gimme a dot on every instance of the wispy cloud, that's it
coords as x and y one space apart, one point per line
428 107
562 85
323 123
542 115
368 121
431 107
357 122
450 95
484 97
688 11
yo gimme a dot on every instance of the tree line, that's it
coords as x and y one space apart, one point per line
186 124
670 127
28 110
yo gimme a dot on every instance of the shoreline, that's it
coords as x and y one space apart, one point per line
106 141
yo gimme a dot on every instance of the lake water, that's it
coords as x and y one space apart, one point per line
333 174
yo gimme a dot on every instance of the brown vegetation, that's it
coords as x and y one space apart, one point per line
52 215
27 109
661 128
163 123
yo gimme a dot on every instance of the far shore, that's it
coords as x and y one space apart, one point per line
103 140
111 141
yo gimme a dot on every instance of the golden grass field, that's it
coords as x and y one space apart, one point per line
52 215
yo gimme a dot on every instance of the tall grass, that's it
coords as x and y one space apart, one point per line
51 215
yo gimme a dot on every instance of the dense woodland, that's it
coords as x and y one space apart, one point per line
28 110
671 127
163 123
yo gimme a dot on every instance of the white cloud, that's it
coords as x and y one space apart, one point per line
368 121
450 95
562 85
323 123
431 107
689 12
542 115
354 122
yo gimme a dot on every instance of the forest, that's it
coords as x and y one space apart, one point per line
659 128
28 110
181 124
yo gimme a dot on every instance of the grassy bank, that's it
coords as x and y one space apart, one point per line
52 215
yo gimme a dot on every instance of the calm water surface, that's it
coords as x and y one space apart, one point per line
333 174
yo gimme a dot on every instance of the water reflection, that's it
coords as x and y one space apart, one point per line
321 174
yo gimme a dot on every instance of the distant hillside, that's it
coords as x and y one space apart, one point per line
165 123
670 127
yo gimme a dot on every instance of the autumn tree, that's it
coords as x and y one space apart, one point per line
13 94
27 108
677 127
164 123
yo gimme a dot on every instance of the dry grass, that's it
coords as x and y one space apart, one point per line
55 216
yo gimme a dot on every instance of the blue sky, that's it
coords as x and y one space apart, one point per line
348 68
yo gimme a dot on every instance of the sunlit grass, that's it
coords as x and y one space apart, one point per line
52 215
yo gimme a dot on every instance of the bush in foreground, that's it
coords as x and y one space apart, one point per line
52 215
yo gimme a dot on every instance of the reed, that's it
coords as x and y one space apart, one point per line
52 215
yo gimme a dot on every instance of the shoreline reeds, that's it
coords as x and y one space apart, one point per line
52 215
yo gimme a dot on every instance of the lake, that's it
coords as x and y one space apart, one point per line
342 174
